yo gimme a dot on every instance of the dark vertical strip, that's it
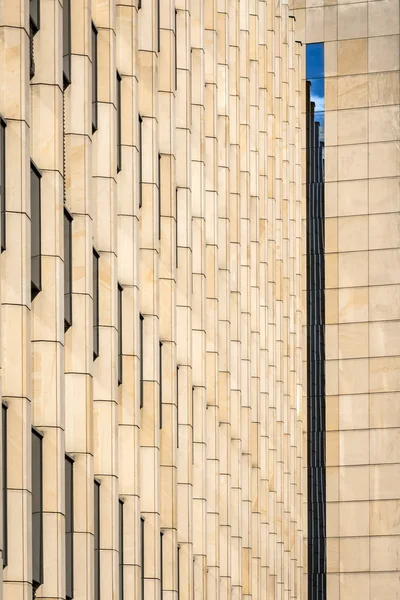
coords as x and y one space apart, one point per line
96 339
141 390
179 573
158 26
96 540
119 334
69 528
36 232
94 79
37 510
119 123
140 149
3 182
176 50
315 326
161 374
121 549
142 557
4 467
176 228
159 196
177 406
161 565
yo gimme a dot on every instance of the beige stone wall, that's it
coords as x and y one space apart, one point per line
362 244
212 260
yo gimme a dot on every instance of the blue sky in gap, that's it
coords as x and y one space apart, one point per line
315 74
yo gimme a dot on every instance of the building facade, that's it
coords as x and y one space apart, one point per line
200 224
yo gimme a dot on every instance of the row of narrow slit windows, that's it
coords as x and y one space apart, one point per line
37 523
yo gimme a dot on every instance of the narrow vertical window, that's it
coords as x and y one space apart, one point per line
121 548
176 228
160 397
69 527
37 510
67 43
142 557
140 148
119 334
139 4
158 27
36 244
177 407
96 348
192 425
96 540
141 391
315 207
67 269
119 124
176 50
3 182
34 26
159 196
179 572
94 79
161 565
4 468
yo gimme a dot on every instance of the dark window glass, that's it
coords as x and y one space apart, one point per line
140 160
37 510
67 269
176 50
4 467
67 42
158 27
119 334
139 4
179 573
34 13
160 358
96 540
121 549
69 527
161 564
3 182
96 348
119 123
159 196
142 557
141 391
94 78
177 407
36 245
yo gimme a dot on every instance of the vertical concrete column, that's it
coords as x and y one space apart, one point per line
105 375
210 231
185 293
47 323
167 292
235 399
263 290
244 165
223 262
128 276
78 340
271 211
15 290
149 289
254 296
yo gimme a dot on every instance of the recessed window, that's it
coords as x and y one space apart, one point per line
121 548
3 182
119 334
159 196
158 27
179 573
69 527
140 148
119 124
141 390
67 269
160 409
94 79
161 565
4 468
37 509
96 540
96 348
36 233
34 26
67 42
142 546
